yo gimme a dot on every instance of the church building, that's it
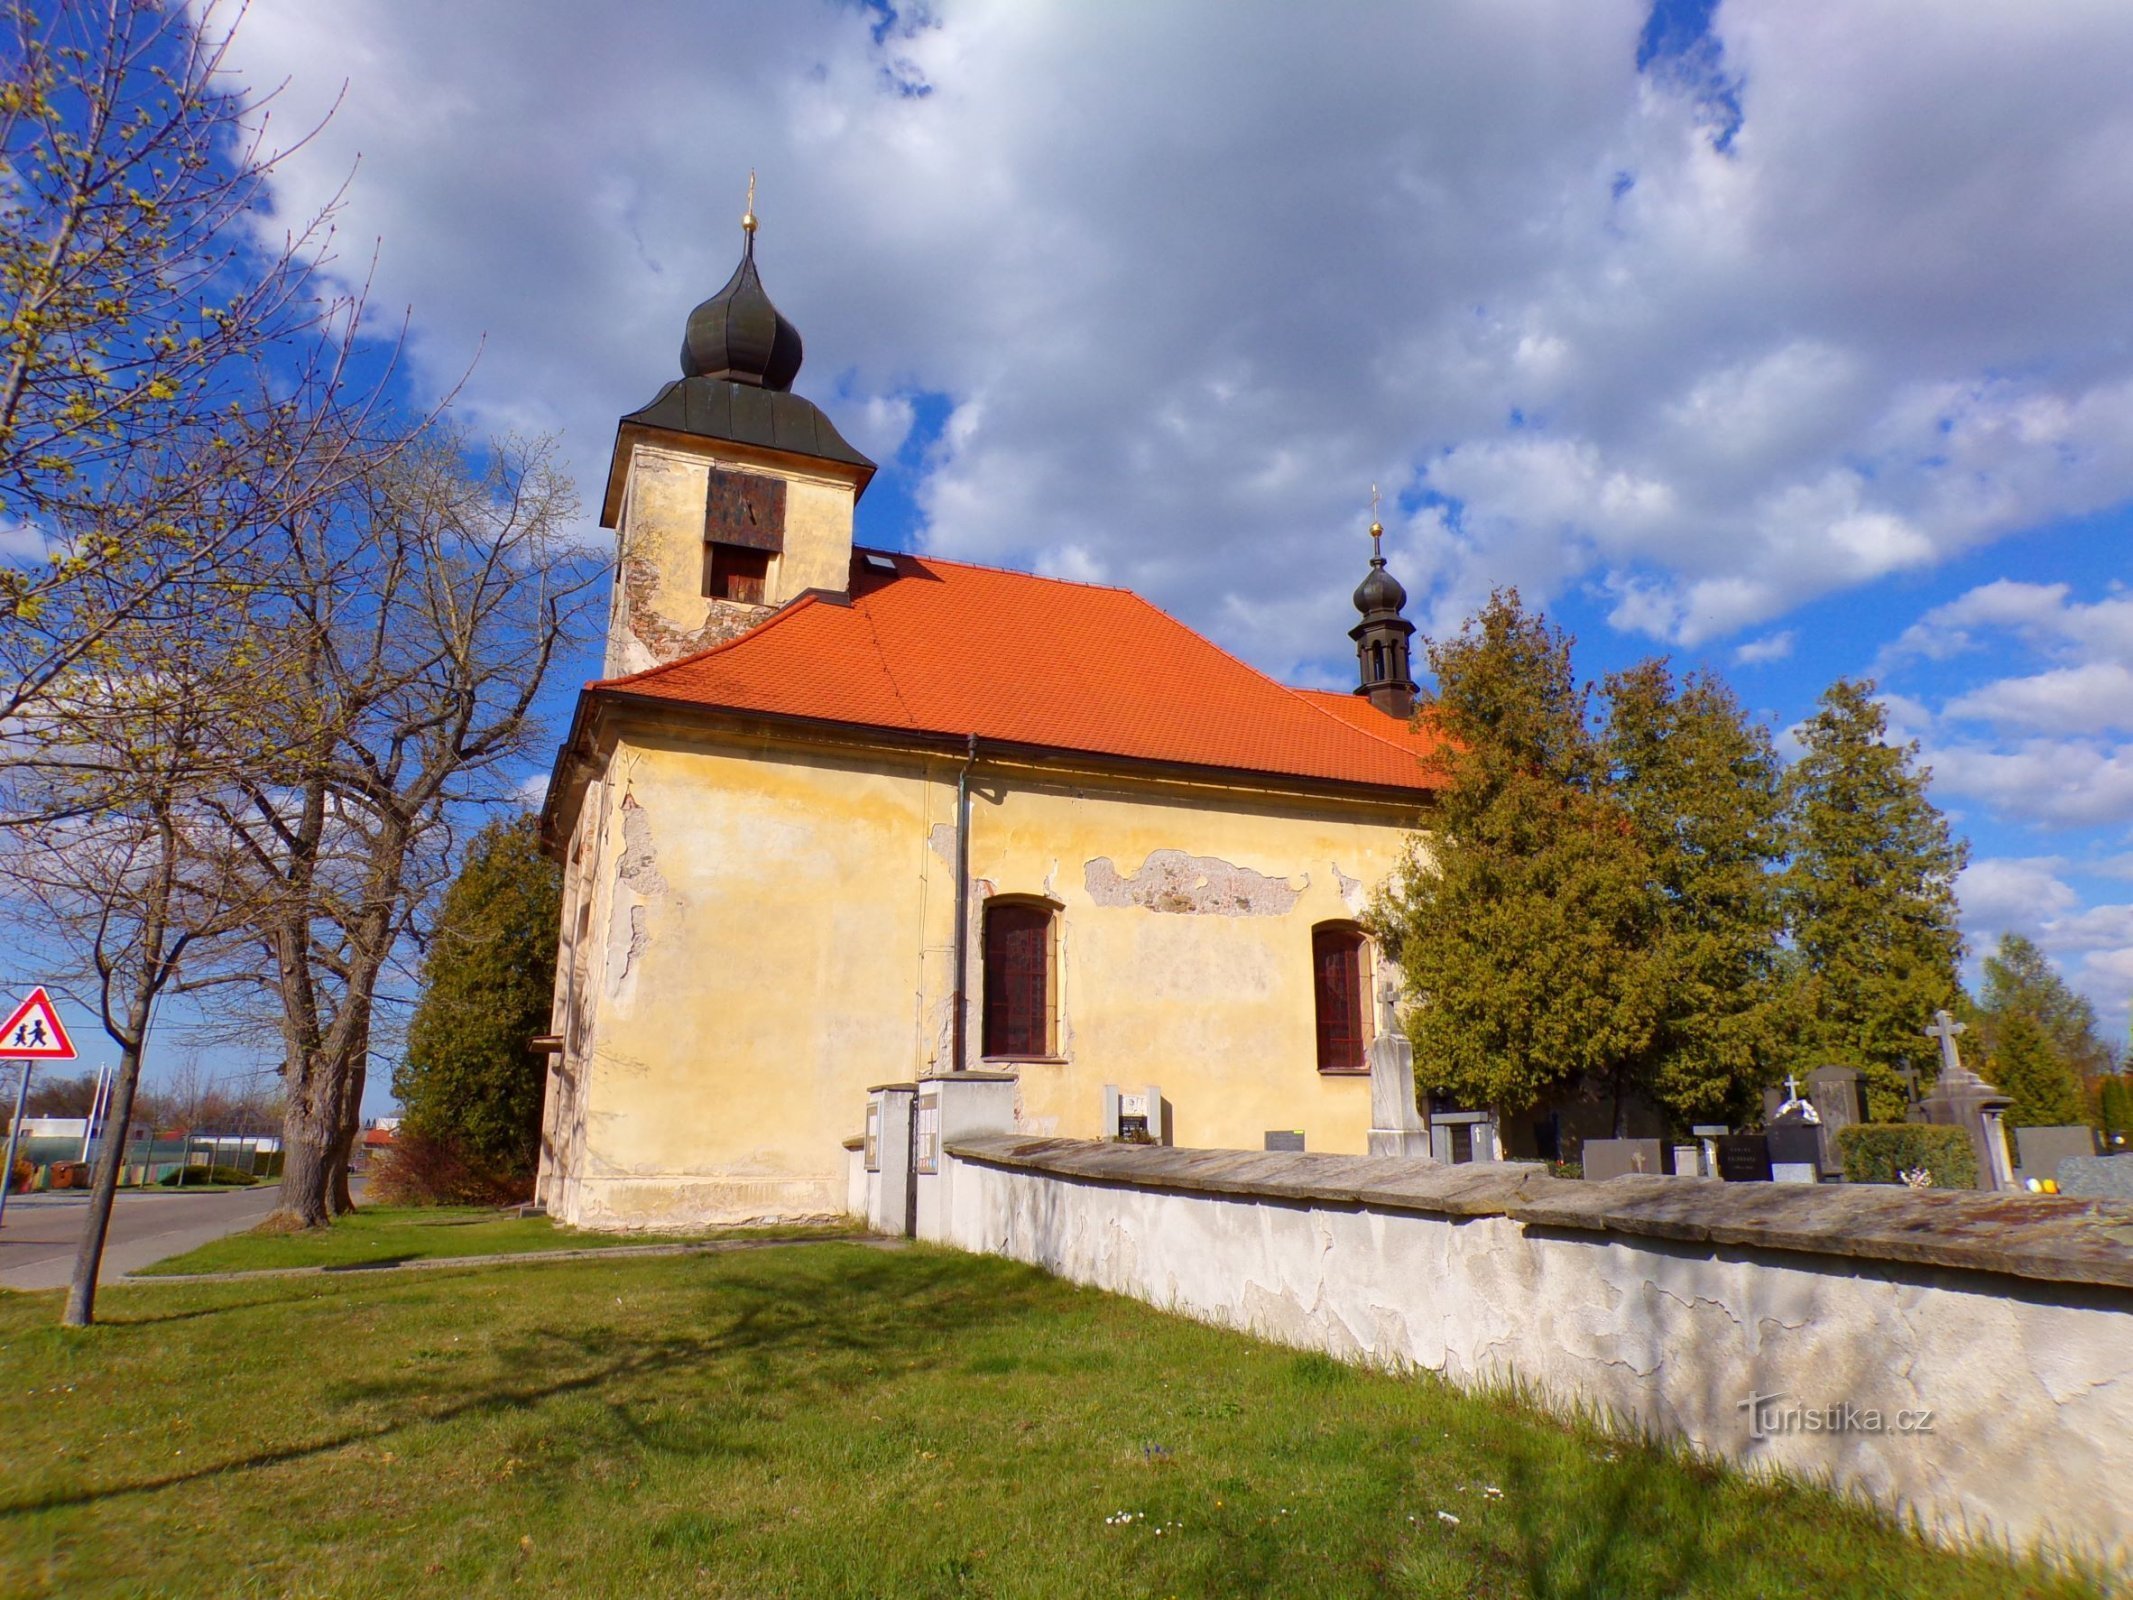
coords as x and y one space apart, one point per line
837 817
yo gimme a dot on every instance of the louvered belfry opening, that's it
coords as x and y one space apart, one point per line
1337 988
1018 980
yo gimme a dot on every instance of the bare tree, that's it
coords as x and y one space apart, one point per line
419 612
141 308
136 876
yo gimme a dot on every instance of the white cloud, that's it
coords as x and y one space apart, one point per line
1193 286
2002 893
2054 782
2096 697
1770 647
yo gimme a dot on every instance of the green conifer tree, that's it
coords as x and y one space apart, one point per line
2026 1067
1524 919
469 1080
1869 896
1703 787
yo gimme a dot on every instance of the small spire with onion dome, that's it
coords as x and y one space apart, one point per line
1382 637
737 334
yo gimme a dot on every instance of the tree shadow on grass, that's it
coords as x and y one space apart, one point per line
905 1307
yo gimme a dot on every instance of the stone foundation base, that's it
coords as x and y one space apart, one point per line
681 1203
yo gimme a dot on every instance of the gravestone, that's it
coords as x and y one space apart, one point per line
1459 1137
2042 1149
1136 1116
1284 1139
1840 1101
1688 1161
1794 1137
1616 1158
1743 1158
1961 1099
1397 1127
1708 1134
2097 1177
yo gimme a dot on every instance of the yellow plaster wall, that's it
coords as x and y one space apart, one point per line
772 935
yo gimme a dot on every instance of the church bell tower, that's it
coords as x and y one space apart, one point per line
731 494
1382 637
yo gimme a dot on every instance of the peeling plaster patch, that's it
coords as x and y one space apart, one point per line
665 640
941 840
638 882
1351 889
1171 880
635 865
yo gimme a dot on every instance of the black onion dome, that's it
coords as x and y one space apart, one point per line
739 335
1380 591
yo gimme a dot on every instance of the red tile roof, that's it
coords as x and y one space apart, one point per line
942 647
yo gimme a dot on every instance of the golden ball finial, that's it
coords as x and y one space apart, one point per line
1377 530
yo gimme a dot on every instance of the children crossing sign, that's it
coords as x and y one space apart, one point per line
34 1032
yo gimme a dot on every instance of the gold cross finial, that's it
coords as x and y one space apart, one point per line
1377 529
748 216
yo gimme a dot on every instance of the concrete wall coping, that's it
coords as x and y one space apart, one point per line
2052 1239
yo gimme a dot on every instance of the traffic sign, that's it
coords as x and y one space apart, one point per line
34 1032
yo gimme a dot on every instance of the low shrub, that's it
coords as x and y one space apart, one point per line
1882 1152
186 1177
420 1169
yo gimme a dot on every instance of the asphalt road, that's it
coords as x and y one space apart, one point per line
40 1232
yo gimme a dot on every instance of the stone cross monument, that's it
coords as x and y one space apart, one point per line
1961 1099
1396 1124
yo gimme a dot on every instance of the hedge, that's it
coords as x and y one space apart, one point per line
1882 1152
204 1176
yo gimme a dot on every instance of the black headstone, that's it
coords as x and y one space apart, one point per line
1744 1158
1796 1142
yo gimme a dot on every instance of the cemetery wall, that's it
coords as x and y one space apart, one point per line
1744 1319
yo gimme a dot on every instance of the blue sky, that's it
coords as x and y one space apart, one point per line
1787 337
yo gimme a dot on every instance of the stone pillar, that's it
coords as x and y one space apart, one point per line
952 1106
888 1158
1397 1127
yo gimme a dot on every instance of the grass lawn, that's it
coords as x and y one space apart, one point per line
830 1419
380 1235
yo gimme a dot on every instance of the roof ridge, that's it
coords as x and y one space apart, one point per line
793 607
1382 738
1011 572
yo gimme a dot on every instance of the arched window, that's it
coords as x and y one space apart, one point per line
1020 986
1338 980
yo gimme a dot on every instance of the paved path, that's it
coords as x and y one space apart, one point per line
41 1231
518 1258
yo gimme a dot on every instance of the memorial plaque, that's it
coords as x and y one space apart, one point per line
873 1136
1744 1158
1617 1158
1285 1139
928 1133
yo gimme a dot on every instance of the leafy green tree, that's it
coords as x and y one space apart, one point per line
469 1079
1703 788
2115 1102
2028 1015
1869 896
1523 923
2026 1067
2019 977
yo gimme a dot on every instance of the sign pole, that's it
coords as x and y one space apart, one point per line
14 1134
